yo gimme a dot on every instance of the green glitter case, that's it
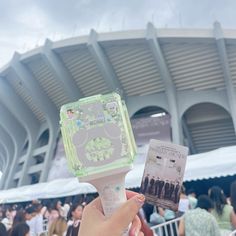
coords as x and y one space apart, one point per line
97 134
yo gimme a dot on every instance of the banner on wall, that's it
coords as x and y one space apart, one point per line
151 128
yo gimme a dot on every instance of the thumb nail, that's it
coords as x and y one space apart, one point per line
135 232
140 198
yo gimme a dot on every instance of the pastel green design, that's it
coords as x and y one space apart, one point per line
97 134
99 149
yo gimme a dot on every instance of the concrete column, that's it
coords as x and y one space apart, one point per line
24 115
190 143
170 89
221 47
3 158
60 71
104 65
18 135
44 103
8 145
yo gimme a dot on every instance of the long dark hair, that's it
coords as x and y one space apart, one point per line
73 208
20 229
204 202
3 230
54 204
219 200
233 195
19 218
58 227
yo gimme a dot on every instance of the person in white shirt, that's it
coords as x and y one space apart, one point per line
34 219
66 207
183 203
7 219
192 198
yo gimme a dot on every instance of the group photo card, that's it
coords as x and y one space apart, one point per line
163 174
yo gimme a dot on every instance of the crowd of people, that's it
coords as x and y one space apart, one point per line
52 218
211 214
214 214
39 218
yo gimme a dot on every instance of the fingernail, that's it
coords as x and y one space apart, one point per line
140 198
136 232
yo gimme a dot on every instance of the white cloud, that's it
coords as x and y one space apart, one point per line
26 24
32 18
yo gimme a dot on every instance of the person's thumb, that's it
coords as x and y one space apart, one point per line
126 213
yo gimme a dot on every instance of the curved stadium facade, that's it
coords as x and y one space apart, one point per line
189 74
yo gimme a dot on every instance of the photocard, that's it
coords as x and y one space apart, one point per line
163 173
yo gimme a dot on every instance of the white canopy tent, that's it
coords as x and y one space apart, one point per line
217 163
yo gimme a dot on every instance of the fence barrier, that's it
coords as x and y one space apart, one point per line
169 228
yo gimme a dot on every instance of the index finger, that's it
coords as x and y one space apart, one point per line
130 194
97 204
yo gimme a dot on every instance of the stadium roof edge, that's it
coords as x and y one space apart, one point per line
4 69
171 33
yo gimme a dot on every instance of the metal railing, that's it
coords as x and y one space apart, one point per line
233 233
44 233
45 224
169 228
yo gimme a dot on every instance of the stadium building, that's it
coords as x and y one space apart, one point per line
188 74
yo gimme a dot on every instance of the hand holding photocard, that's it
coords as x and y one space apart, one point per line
163 173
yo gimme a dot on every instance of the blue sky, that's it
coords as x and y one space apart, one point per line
25 24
